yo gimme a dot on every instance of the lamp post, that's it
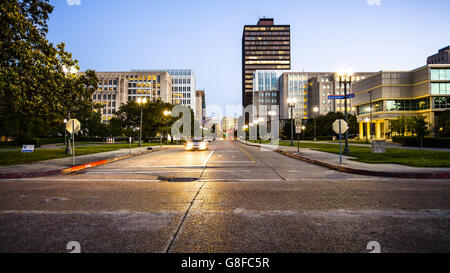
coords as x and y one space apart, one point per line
245 127
345 77
271 113
291 104
370 112
260 120
65 132
167 113
73 70
141 102
367 133
315 110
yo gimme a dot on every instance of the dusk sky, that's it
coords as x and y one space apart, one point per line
205 35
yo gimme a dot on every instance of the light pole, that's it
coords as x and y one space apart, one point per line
271 113
141 102
167 113
370 111
291 104
315 110
260 120
245 127
69 71
345 77
65 132
367 133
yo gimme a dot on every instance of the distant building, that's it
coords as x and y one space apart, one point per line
200 107
117 88
442 57
389 94
229 125
324 84
183 86
294 85
265 46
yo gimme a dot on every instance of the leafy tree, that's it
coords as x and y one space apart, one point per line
419 127
35 92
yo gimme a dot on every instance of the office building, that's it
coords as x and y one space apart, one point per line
294 85
200 107
387 95
229 125
442 57
183 86
265 46
321 85
117 88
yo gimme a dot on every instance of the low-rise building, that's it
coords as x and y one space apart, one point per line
387 95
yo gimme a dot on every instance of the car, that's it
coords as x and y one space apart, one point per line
196 144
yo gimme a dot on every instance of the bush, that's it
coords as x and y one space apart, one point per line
443 142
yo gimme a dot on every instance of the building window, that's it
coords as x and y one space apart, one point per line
441 102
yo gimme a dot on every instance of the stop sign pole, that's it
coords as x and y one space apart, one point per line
340 127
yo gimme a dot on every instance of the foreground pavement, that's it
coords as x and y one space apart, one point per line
231 198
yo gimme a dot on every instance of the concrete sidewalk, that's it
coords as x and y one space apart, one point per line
331 161
63 165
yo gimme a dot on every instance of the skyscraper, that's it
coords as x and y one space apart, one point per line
265 46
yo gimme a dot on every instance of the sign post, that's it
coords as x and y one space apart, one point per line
129 140
73 126
298 131
340 127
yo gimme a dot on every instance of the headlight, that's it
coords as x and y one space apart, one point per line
203 145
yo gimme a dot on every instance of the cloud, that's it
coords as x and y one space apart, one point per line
374 2
78 2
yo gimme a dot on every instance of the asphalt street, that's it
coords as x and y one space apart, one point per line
230 198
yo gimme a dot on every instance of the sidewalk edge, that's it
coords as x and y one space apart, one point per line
418 175
74 168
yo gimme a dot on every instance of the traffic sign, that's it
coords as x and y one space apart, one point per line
73 126
27 148
298 125
349 96
343 125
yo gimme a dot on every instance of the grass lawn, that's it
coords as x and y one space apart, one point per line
17 157
415 158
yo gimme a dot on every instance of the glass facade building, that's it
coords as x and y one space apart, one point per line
424 91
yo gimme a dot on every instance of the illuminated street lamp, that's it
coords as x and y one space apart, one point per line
345 77
141 102
367 133
167 113
315 110
291 104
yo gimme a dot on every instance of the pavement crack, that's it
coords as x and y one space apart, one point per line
175 236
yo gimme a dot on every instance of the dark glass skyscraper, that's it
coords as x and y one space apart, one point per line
265 46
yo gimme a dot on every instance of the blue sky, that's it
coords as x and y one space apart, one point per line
205 35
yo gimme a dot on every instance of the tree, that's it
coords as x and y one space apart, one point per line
35 92
419 127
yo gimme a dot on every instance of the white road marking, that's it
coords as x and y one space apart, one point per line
232 161
207 159
238 180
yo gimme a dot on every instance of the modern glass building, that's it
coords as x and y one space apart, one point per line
266 89
294 85
265 46
389 94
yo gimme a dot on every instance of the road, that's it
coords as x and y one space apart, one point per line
231 198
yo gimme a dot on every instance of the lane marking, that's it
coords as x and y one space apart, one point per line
231 161
144 172
207 159
239 180
245 152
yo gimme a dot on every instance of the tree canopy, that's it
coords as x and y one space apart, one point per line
36 93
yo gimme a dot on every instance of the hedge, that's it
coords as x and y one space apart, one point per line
443 142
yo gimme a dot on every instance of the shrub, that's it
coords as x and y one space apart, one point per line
443 142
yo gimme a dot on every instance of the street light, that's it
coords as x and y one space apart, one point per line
345 77
167 113
291 104
141 102
367 133
245 127
315 110
69 71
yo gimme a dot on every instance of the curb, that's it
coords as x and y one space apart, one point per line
421 175
74 168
